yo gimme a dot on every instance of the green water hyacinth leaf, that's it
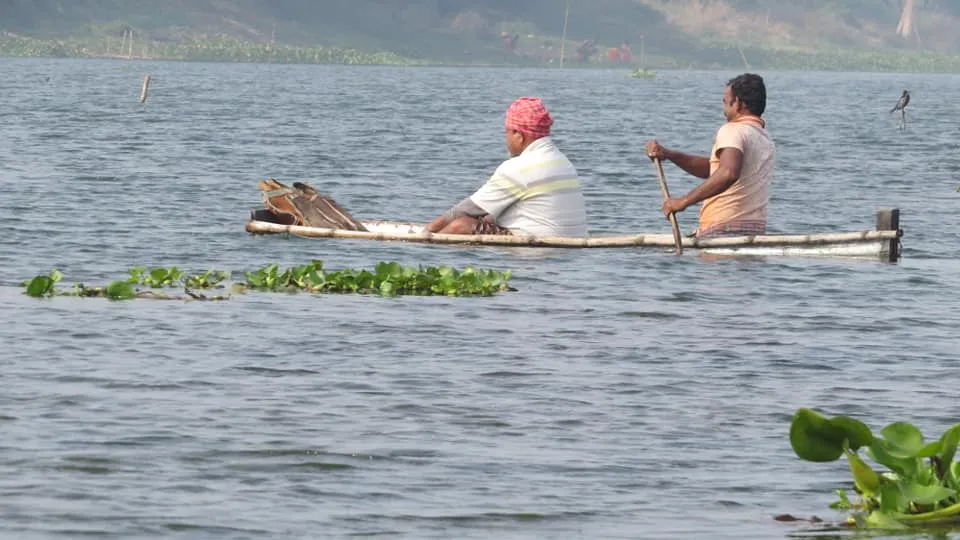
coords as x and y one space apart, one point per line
882 520
158 275
365 280
854 431
948 445
120 290
387 289
812 438
816 438
206 280
904 440
843 502
925 495
136 274
40 286
388 270
892 500
930 449
864 477
254 280
879 452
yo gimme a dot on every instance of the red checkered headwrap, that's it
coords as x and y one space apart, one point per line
529 116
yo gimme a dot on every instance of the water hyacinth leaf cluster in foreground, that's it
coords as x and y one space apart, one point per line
386 279
921 486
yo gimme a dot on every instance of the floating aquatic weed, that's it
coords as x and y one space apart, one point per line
156 278
43 286
920 488
207 280
386 279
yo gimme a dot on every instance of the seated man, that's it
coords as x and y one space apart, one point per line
536 192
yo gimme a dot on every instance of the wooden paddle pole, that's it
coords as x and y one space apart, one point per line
666 195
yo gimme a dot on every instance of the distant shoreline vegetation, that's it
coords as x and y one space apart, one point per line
223 49
799 59
710 56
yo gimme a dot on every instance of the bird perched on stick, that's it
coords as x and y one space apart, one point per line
902 102
901 106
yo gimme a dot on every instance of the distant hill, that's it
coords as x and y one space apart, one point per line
712 33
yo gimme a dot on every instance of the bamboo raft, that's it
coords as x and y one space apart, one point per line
882 243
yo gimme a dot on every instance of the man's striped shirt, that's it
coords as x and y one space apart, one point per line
536 193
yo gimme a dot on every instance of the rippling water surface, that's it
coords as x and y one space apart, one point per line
615 394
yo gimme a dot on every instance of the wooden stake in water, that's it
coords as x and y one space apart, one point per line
146 87
563 38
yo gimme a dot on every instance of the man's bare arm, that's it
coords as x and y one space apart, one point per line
728 172
464 208
698 166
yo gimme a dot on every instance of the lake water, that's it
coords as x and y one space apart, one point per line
616 394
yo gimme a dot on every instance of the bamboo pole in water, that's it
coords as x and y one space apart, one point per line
639 240
563 38
145 89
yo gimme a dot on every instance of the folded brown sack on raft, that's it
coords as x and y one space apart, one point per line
302 205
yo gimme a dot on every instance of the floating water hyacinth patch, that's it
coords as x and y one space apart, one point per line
920 488
156 278
386 279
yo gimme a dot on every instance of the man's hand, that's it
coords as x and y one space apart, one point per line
674 205
434 226
655 150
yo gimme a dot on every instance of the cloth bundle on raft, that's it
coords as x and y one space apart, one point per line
302 205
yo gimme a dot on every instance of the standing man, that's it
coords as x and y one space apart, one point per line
738 171
536 192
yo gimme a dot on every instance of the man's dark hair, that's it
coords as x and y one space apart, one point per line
751 91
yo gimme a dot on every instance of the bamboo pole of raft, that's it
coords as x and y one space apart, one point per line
638 240
666 195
